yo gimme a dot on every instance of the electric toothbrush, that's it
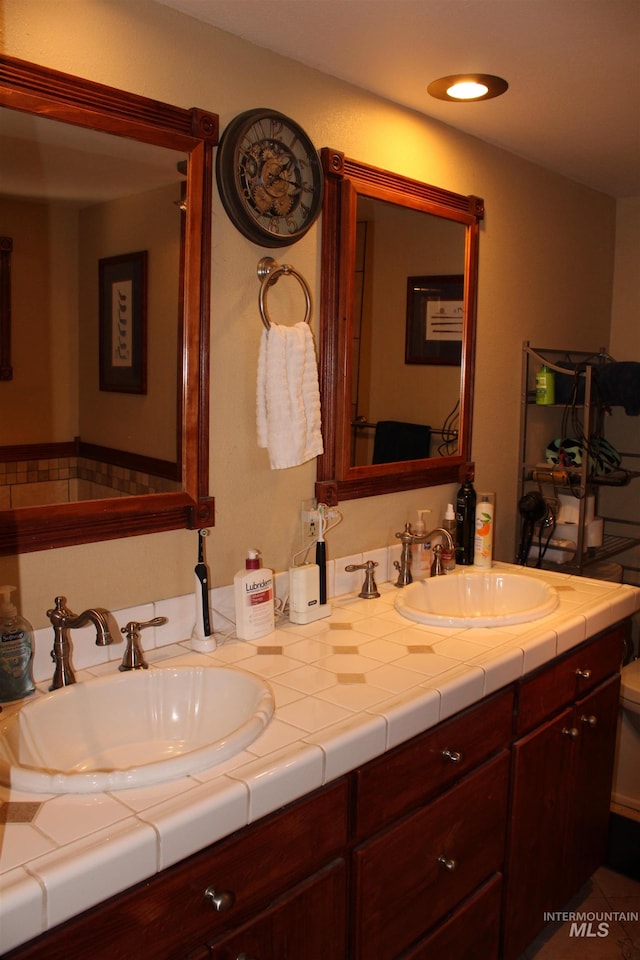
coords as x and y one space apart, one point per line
321 553
202 627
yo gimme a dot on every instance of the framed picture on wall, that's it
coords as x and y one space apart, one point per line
123 322
435 319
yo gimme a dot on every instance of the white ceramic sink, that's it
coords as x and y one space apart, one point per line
477 599
132 729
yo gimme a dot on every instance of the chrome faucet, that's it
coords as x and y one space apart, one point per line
408 538
63 620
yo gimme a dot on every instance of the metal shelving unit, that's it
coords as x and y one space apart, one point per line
539 424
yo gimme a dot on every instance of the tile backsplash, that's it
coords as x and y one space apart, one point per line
180 613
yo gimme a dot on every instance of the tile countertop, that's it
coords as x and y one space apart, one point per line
347 689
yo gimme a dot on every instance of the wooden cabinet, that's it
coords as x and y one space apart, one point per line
411 874
465 834
173 915
561 784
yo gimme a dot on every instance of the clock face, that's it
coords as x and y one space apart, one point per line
269 177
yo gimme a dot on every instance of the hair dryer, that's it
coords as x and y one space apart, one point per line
533 508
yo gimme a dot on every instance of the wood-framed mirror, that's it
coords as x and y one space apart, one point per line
128 449
397 331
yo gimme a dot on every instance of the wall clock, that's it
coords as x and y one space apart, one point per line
269 177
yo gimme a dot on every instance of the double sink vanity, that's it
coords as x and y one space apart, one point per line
394 782
382 788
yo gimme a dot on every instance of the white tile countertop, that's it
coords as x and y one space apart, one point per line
347 689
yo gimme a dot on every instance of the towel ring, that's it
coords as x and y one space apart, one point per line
269 272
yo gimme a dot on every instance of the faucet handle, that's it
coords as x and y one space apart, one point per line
369 589
134 626
133 658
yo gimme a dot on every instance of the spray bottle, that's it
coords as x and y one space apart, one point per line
449 524
483 546
465 523
16 650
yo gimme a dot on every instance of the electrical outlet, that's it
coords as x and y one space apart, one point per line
308 520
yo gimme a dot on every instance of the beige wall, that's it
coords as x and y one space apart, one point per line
42 395
625 316
546 268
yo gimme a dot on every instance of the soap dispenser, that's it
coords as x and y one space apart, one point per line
16 650
420 551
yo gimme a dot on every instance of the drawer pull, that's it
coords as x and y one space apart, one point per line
571 732
583 674
220 900
243 956
452 755
589 721
449 863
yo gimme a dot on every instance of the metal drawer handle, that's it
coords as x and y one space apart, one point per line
244 956
583 674
571 732
452 755
220 900
589 721
449 863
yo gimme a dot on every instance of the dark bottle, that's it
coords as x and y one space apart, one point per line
465 523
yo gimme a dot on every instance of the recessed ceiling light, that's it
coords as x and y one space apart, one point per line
468 86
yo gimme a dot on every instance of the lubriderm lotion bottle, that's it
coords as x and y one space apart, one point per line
253 592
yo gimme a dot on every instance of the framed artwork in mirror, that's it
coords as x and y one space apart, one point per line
435 320
123 322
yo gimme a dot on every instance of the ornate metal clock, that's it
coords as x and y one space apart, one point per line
269 177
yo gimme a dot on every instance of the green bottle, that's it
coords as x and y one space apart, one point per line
545 386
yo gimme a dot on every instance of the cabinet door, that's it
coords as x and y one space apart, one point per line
595 720
310 921
535 851
409 877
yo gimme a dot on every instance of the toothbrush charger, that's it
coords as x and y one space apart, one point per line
304 595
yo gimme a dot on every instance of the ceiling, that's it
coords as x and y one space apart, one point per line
573 67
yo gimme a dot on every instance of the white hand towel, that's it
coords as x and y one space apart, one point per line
288 398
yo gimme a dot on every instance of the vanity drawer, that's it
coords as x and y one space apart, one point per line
551 688
473 930
408 776
409 877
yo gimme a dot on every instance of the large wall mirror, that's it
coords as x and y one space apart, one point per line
105 203
398 312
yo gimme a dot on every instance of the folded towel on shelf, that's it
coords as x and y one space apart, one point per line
288 398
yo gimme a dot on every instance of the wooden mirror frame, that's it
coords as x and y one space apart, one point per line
39 90
345 179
